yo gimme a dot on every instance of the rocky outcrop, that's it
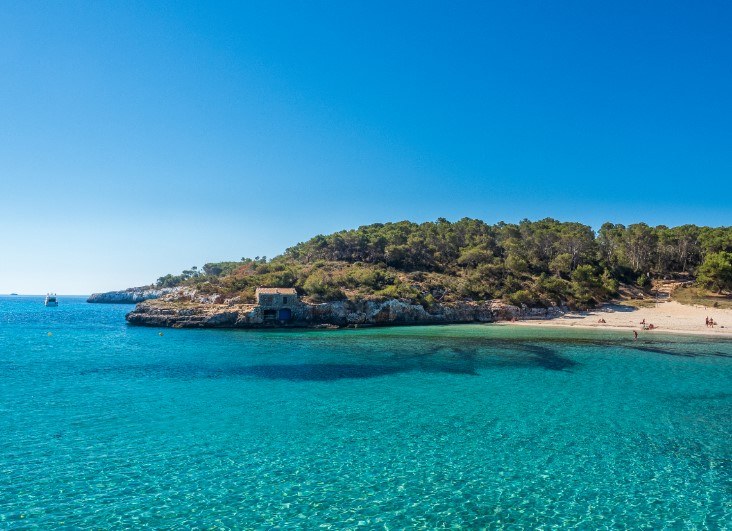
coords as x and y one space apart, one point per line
189 313
130 296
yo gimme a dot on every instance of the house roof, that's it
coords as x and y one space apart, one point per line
277 291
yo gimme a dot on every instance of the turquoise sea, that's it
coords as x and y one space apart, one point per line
103 425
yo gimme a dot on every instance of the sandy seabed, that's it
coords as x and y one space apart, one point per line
669 316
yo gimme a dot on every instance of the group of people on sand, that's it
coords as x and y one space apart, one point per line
649 326
710 322
646 326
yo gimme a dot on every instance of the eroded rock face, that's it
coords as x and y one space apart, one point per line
507 312
129 296
395 312
190 312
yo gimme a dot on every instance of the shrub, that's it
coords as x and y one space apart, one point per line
561 264
321 288
370 278
586 286
400 291
516 264
428 301
715 273
521 297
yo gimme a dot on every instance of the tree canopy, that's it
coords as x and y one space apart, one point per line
532 262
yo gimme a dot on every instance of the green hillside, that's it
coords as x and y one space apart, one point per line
534 263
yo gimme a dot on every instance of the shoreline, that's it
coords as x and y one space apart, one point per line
668 317
665 317
606 328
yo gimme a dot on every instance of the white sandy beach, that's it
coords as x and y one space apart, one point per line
669 316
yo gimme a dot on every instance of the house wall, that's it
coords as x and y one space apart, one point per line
266 300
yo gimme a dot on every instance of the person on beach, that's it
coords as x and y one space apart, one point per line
635 335
707 321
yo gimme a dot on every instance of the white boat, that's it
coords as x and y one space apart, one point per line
51 299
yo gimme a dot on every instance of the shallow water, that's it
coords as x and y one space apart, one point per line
106 425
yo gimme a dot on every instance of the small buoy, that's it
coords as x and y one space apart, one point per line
160 333
49 334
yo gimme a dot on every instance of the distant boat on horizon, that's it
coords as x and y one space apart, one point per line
13 294
51 300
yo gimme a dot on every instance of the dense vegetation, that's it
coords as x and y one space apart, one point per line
532 263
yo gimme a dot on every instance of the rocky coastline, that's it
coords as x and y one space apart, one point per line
189 312
130 295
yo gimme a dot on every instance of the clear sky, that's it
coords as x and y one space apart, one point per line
141 138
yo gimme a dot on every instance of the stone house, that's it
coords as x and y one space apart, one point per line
277 303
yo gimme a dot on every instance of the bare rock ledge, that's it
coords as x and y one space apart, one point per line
129 296
392 312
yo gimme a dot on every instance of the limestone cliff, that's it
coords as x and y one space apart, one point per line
130 296
230 314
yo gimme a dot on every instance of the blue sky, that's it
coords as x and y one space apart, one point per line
140 138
